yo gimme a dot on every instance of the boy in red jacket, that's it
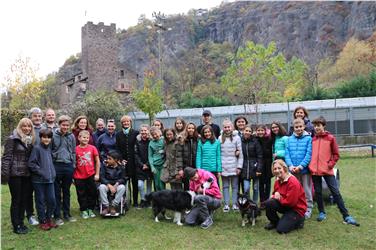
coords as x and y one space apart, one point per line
325 155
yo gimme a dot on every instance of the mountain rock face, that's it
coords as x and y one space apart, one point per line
308 30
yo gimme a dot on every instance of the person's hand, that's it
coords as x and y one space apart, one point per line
124 162
218 175
145 167
111 188
238 171
153 170
277 196
258 173
96 177
237 153
297 170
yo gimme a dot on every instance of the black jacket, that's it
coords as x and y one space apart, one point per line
141 158
41 166
252 158
267 152
110 175
126 144
189 153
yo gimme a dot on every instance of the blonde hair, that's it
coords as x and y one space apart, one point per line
298 121
126 117
84 132
282 163
27 122
64 118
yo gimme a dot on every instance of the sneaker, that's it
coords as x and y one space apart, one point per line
207 223
59 222
321 217
235 208
91 213
104 210
112 210
33 221
20 230
351 221
51 224
70 218
226 209
307 214
270 226
44 226
84 215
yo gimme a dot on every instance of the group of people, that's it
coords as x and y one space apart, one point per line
45 158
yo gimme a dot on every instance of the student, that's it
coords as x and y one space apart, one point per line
325 155
100 130
239 124
298 155
112 179
252 163
279 140
64 158
82 123
107 141
143 169
208 120
15 172
302 113
43 176
232 164
158 124
86 174
288 198
189 150
208 197
179 127
156 156
172 171
208 155
265 178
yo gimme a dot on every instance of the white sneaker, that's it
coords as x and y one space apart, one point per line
33 221
307 214
235 208
226 209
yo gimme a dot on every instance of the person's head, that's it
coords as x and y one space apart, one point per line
169 134
99 124
155 133
207 133
298 126
36 116
191 173
191 130
179 124
113 158
45 136
111 126
158 124
126 121
260 130
25 130
280 169
240 123
64 123
300 112
227 126
50 116
247 132
84 137
144 131
277 129
81 123
206 116
319 124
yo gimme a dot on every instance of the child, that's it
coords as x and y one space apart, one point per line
156 155
159 124
208 155
279 140
265 178
302 113
172 171
142 163
43 176
112 179
232 163
189 150
325 155
252 163
85 174
179 126
298 156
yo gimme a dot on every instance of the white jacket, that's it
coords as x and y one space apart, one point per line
231 162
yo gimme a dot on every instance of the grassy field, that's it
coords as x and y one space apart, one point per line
137 230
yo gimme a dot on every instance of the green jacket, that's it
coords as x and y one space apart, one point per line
156 152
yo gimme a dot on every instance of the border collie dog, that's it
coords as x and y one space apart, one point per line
249 208
176 200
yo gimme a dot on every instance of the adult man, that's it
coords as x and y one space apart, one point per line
207 120
49 120
208 197
36 115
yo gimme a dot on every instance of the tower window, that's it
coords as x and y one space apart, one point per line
121 73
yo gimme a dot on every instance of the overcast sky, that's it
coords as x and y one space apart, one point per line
49 31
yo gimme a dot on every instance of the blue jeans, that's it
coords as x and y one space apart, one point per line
255 188
333 187
142 189
44 200
226 181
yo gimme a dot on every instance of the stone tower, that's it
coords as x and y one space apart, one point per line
99 56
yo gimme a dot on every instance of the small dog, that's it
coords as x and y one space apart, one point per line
248 207
176 200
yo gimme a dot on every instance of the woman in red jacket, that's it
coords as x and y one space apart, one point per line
288 198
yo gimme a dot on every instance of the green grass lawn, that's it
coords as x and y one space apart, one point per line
137 229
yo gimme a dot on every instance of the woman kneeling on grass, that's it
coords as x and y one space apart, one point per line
288 198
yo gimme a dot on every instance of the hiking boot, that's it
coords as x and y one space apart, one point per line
59 222
112 210
226 209
321 216
44 226
20 230
33 221
104 210
51 224
84 215
351 221
91 213
207 223
270 226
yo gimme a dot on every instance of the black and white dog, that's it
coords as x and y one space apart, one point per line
249 208
176 200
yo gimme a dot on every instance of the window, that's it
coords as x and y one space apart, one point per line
122 73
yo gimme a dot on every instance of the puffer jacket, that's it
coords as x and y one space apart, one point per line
141 158
298 151
14 161
111 175
173 163
230 162
252 153
279 147
209 156
63 147
325 154
189 153
41 166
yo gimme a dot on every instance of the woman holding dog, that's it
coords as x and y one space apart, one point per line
288 198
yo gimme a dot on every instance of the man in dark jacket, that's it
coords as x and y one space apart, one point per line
207 120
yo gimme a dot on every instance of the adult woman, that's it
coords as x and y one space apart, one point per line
15 171
82 123
107 141
288 198
302 113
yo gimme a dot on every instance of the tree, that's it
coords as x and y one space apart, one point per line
149 100
28 96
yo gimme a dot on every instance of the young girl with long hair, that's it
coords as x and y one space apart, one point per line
189 149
